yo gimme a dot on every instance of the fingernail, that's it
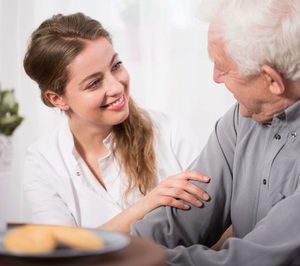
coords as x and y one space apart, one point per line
206 178
205 196
199 204
186 207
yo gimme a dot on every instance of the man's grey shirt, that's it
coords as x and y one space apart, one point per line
254 170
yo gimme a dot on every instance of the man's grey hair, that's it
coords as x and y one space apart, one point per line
257 32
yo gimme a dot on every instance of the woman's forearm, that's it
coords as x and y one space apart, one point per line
126 218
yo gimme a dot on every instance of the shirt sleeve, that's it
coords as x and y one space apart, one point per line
40 192
274 241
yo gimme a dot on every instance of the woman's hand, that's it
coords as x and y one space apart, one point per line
173 189
168 192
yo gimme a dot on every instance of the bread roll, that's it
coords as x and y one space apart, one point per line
36 239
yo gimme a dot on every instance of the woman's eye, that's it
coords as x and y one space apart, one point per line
95 84
117 66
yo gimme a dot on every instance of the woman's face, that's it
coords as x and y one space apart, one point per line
97 92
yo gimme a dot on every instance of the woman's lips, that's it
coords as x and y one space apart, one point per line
116 105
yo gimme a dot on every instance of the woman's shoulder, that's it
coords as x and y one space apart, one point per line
169 128
160 119
169 122
50 141
177 141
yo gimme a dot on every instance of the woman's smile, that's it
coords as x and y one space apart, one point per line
116 105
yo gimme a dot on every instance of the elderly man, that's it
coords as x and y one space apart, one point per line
253 155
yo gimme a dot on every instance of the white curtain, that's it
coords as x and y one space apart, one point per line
160 42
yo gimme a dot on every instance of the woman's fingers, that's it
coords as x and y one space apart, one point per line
187 186
195 190
192 175
169 201
178 188
168 194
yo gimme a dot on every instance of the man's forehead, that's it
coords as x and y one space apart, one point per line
216 52
215 31
215 49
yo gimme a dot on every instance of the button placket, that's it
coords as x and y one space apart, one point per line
109 172
280 140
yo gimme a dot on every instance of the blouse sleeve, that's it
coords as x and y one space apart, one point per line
40 189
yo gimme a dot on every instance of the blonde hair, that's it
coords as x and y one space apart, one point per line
134 148
53 46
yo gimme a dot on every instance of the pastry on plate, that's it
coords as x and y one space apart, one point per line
76 237
30 239
35 239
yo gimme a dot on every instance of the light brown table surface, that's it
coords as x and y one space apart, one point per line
139 252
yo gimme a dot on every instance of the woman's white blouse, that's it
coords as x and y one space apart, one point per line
60 188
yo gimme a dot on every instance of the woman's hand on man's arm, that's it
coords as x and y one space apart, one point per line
172 191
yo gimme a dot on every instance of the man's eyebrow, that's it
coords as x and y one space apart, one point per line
213 59
216 62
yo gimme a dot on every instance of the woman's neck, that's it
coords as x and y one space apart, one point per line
89 140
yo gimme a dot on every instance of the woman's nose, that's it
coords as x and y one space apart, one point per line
113 86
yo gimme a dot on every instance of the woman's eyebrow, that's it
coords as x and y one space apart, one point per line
96 74
113 58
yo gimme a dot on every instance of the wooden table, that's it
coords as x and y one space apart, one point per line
139 252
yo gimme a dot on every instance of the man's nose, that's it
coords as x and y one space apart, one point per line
218 76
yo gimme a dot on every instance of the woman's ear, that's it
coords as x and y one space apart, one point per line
56 100
274 79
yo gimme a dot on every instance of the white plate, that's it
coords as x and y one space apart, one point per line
112 242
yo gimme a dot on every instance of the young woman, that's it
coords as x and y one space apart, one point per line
107 164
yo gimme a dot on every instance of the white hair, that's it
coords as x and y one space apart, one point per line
257 32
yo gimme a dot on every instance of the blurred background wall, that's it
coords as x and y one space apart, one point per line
161 43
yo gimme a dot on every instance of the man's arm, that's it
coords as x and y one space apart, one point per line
274 241
172 227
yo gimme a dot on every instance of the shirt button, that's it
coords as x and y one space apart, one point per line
264 181
277 136
78 173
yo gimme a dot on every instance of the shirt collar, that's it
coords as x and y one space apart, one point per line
289 115
292 113
68 145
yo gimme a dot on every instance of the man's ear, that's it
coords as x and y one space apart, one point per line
57 100
274 79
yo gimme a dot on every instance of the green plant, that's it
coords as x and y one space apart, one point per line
9 108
